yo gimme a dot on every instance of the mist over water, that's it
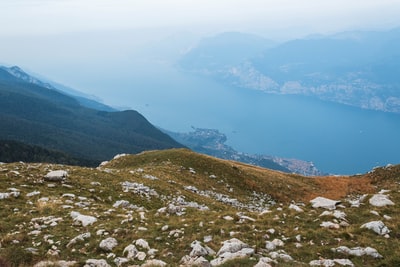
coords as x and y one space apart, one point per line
338 139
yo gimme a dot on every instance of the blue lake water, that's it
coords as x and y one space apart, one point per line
338 139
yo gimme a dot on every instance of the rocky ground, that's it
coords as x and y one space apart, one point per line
179 208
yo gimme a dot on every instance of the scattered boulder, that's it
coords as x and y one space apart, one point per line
331 263
232 249
377 226
96 263
197 250
265 262
154 263
358 251
295 207
330 225
233 245
108 244
141 256
120 261
56 176
380 200
78 238
84 220
142 243
281 255
325 203
56 264
272 245
131 250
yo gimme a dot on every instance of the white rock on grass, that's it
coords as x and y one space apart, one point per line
197 250
154 263
131 250
84 220
56 176
358 251
120 261
233 245
280 255
108 244
232 249
187 261
330 225
34 193
96 263
227 256
265 262
325 203
380 200
142 243
377 226
78 238
272 245
296 208
56 263
141 256
331 263
337 214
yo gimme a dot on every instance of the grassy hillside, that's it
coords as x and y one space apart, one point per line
13 151
39 116
171 198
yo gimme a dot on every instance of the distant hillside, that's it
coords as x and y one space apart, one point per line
179 208
82 98
212 142
354 68
13 151
36 115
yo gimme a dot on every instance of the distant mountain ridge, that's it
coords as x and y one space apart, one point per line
354 68
42 116
82 98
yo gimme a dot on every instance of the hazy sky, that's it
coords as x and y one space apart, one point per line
258 16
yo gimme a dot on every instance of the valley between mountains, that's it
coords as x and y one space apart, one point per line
179 208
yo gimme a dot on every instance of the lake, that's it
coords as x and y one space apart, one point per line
337 138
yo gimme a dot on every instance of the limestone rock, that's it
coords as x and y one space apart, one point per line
56 176
296 208
82 219
96 263
233 245
358 251
331 263
80 237
142 243
131 250
120 261
197 250
380 200
272 245
227 256
56 264
108 244
154 263
377 226
325 203
141 256
265 262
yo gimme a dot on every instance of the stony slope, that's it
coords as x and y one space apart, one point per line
176 207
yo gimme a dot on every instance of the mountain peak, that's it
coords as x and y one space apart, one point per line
17 72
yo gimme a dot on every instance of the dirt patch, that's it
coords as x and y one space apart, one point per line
334 187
